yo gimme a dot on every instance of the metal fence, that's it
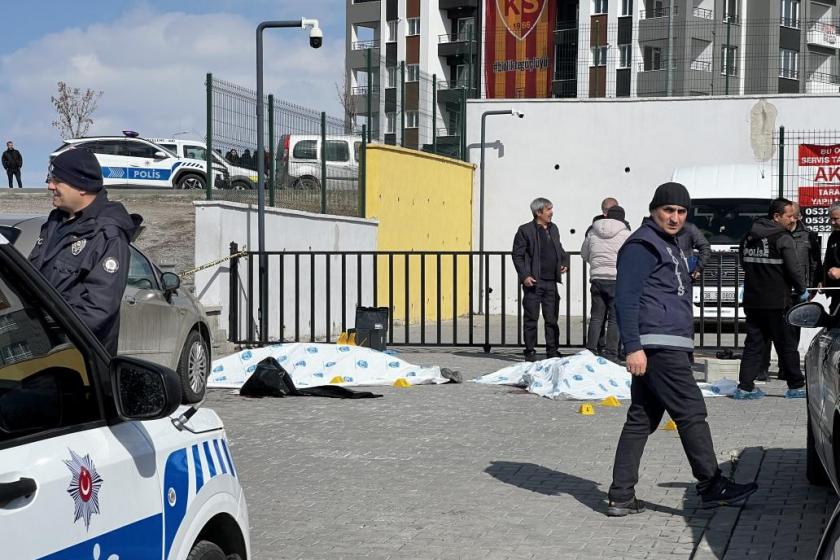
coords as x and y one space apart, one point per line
407 107
435 298
313 161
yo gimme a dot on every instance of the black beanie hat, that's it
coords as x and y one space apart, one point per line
616 213
78 168
670 193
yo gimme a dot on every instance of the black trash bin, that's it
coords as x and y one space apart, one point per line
371 326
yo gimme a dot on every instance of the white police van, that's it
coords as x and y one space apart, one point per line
96 459
131 161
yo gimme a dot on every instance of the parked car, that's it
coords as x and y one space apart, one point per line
131 161
235 177
822 363
96 459
299 162
159 321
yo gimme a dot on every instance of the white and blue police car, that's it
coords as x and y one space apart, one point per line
97 459
131 161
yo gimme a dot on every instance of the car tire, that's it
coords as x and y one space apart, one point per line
308 183
190 181
242 186
206 550
814 469
193 368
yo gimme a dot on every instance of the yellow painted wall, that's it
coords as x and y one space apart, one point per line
423 203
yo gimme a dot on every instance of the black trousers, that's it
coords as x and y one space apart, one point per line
14 173
765 326
542 295
668 384
602 313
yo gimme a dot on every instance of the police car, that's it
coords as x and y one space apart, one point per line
131 161
239 178
97 460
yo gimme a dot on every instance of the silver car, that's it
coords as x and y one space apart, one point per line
159 321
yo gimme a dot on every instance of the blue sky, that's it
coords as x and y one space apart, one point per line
150 58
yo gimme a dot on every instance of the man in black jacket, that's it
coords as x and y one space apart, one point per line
771 273
540 262
12 163
83 249
831 265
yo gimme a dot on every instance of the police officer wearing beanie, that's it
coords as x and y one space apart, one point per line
83 248
771 272
654 311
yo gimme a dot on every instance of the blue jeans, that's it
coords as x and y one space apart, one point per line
602 313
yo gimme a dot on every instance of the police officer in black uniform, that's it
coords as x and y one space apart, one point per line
771 273
654 311
83 249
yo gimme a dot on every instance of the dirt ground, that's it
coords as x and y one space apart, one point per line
168 217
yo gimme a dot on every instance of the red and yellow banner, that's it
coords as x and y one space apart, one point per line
518 48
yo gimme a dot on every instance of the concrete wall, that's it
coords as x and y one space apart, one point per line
577 152
422 202
219 223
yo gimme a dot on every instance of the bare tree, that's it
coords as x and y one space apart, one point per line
75 110
344 92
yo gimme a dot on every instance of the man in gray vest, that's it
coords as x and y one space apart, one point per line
654 310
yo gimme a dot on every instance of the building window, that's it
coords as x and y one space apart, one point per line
392 76
732 11
412 73
392 30
462 76
627 7
599 7
599 55
411 119
625 54
466 29
788 64
790 13
729 60
652 58
414 26
390 123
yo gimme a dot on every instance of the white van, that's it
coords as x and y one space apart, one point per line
299 162
725 199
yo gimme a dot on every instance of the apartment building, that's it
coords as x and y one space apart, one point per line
622 48
419 53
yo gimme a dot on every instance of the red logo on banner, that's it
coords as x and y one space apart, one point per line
520 16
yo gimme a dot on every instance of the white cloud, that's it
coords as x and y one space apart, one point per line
152 68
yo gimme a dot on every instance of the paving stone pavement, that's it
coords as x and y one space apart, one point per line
477 472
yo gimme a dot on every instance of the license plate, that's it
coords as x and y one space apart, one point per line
713 296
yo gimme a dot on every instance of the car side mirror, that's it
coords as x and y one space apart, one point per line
143 390
171 282
161 155
808 315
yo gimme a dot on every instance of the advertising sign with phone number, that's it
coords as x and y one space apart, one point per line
819 176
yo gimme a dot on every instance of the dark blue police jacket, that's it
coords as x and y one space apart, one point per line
665 318
86 259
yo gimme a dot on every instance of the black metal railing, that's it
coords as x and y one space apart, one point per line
438 298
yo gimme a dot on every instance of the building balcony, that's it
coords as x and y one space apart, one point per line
701 65
362 45
703 13
457 4
657 13
820 82
453 92
822 35
457 44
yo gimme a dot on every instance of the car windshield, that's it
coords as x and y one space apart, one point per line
726 221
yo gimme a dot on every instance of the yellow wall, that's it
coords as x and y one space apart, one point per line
423 203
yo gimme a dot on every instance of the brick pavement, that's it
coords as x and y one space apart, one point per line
467 471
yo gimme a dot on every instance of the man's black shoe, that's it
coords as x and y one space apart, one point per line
620 509
530 356
553 354
727 493
763 376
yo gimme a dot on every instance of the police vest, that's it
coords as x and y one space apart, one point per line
665 313
765 285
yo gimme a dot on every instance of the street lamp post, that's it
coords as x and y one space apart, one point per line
315 41
484 116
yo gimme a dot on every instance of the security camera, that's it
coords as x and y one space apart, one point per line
316 36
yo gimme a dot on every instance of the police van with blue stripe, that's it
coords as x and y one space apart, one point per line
98 459
131 161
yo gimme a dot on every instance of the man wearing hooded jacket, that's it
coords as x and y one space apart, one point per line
771 273
83 248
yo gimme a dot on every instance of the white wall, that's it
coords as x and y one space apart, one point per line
218 223
592 142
